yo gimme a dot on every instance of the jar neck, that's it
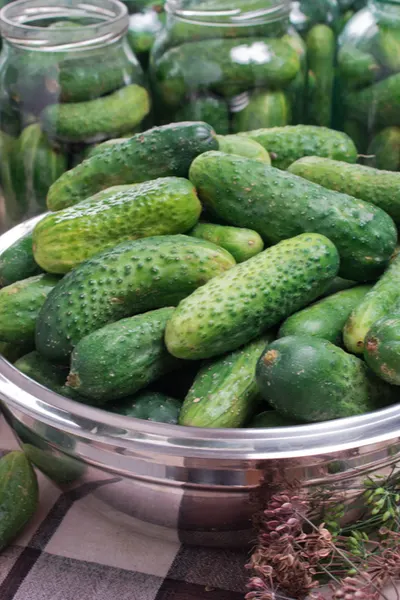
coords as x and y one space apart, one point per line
29 24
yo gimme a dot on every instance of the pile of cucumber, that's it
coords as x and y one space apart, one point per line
185 277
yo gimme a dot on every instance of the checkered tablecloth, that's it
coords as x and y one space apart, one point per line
70 553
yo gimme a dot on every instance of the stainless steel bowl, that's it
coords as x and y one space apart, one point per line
200 486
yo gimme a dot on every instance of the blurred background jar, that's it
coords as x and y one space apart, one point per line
68 79
236 64
307 13
145 23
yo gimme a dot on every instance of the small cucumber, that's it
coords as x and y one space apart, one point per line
238 306
19 497
327 317
17 262
271 418
384 150
241 243
210 109
12 352
287 144
132 278
265 109
356 68
311 380
338 285
380 101
382 349
241 146
380 301
20 304
321 51
150 406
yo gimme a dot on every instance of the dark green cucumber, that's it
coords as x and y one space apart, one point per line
143 30
241 146
271 418
241 243
64 239
210 109
338 285
160 152
327 317
378 187
131 278
380 301
265 109
19 496
356 68
150 406
380 101
12 352
321 54
225 393
358 134
296 89
287 144
95 120
382 349
279 205
20 304
14 203
17 262
238 306
384 150
311 380
122 358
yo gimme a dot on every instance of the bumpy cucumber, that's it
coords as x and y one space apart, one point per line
279 205
64 239
20 304
356 68
214 66
287 144
131 278
326 318
387 46
150 406
17 262
240 305
160 152
381 100
19 497
271 418
378 303
241 146
265 109
378 187
97 119
225 393
321 51
382 349
241 243
210 109
311 380
384 150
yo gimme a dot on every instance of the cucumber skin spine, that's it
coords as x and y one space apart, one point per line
382 348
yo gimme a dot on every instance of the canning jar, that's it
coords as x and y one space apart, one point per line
67 79
369 82
236 64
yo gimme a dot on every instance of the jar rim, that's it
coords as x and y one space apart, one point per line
236 16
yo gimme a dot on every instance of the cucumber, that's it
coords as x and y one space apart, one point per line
134 277
384 150
311 380
61 469
380 301
17 262
382 349
150 406
12 352
241 243
380 102
209 109
356 68
240 305
241 146
64 239
265 109
288 144
15 205
327 317
321 51
143 30
20 304
271 418
19 497
159 152
98 119
358 134
387 46
338 285
296 89
378 187
279 205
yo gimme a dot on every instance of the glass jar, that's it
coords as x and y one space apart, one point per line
145 23
307 13
67 79
238 65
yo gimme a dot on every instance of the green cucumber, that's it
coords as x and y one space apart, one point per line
327 317
265 109
14 204
311 380
356 68
225 393
288 144
98 119
270 418
338 285
382 349
241 146
12 352
134 277
279 205
387 46
384 150
321 51
241 243
64 239
19 496
20 304
240 305
378 187
17 262
143 30
150 406
380 101
296 89
160 152
209 109
358 134
380 301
